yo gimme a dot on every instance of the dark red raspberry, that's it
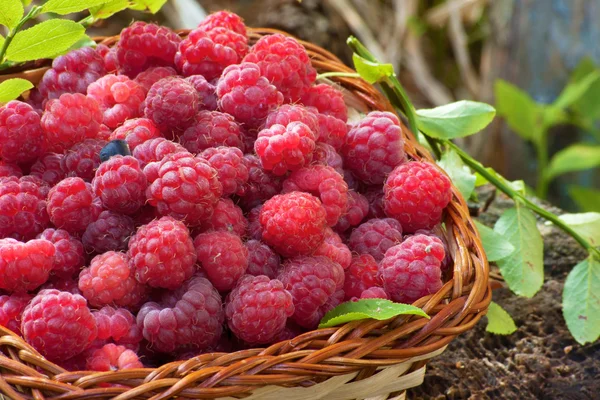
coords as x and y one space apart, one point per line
11 310
69 256
374 292
155 150
9 169
121 184
142 45
332 131
255 229
334 248
21 136
22 208
72 205
136 131
327 100
262 260
375 237
354 184
285 63
375 197
64 285
257 309
357 210
162 253
118 325
119 98
109 57
324 182
223 257
48 168
227 217
212 129
83 159
437 232
224 19
374 147
230 166
111 357
150 76
111 231
312 281
325 154
145 215
172 105
285 148
288 113
246 94
58 324
261 185
416 194
186 188
70 119
206 90
191 316
40 188
362 274
293 223
412 269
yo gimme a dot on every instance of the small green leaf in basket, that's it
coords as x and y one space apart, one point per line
11 13
370 71
367 308
499 321
151 5
64 7
10 89
454 120
460 174
109 8
495 246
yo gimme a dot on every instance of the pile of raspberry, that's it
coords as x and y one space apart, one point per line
172 196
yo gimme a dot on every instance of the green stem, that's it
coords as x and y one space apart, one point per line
340 74
11 34
87 21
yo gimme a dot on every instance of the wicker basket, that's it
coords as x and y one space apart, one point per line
365 359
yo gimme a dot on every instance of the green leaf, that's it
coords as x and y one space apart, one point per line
577 157
370 71
585 67
586 224
367 308
575 90
587 199
11 89
2 41
454 120
44 40
518 108
581 301
461 175
499 321
11 13
523 270
63 7
109 8
495 246
588 106
480 180
151 5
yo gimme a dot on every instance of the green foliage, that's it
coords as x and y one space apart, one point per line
370 71
109 8
11 89
585 224
11 12
454 120
63 7
495 245
587 199
460 174
576 89
518 108
148 5
367 308
577 157
499 321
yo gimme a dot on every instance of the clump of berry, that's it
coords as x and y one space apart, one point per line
149 77
255 229
172 105
72 205
223 257
227 217
110 232
120 184
334 248
375 237
83 159
288 113
135 132
48 168
109 57
118 325
327 100
375 197
11 310
356 211
21 136
10 169
362 274
119 98
230 166
22 208
332 131
154 150
374 292
206 91
212 129
261 185
69 256
111 357
224 19
437 232
326 154
262 260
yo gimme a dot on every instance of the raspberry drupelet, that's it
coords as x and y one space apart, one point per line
111 357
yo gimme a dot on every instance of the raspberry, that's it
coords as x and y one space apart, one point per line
71 285
207 53
288 113
411 269
230 166
70 119
223 257
325 154
162 253
9 169
327 99
186 188
255 229
375 198
374 147
356 211
109 280
224 19
135 132
262 260
48 168
191 316
206 90
285 148
110 232
104 133
172 104
21 136
257 309
334 249
311 281
154 150
375 237
118 325
11 310
325 183
362 274
436 232
212 129
150 76
261 185
332 131
227 217
111 357
22 208
120 184
109 57
72 205
119 98
285 63
354 184
69 256
374 292
246 94
58 324
142 45
83 159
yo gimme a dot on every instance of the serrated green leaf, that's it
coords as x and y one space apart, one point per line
109 8
63 7
494 244
454 120
581 301
367 308
575 90
151 5
11 13
586 224
587 199
577 157
44 40
499 321
461 175
523 269
520 111
370 71
11 89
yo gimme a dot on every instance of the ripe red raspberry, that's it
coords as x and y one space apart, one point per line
312 281
230 166
58 324
120 184
285 148
362 274
358 207
411 269
246 94
257 309
70 119
334 248
288 113
119 98
262 260
285 63
191 316
142 45
332 131
324 182
327 99
72 205
354 184
135 132
255 229
206 90
11 310
150 76
109 57
83 159
223 257
111 357
9 169
227 217
212 129
21 136
118 325
162 253
374 292
70 285
154 150
69 256
293 223
186 188
375 237
22 208
375 197
224 19
110 232
48 168
261 185
374 147
172 105
326 154
436 232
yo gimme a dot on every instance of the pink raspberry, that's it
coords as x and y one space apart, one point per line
109 57
70 285
152 75
162 253
246 94
358 207
191 316
375 197
110 232
154 150
375 237
83 159
411 269
119 98
325 154
212 129
374 292
120 184
135 132
70 119
230 166
323 182
206 90
261 185
72 205
416 194
327 99
172 105
255 229
285 63
22 139
118 325
22 208
223 257
227 217
48 168
312 281
288 113
10 169
262 260
436 232
332 131
374 147
104 133
224 19
111 357
362 274
257 309
11 310
334 248
142 45
69 256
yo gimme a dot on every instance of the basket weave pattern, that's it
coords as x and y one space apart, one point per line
361 359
